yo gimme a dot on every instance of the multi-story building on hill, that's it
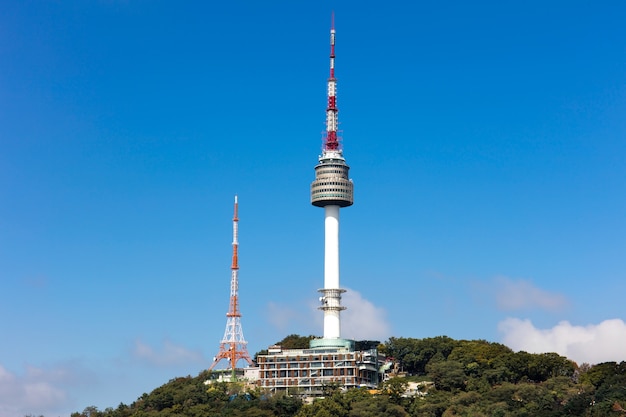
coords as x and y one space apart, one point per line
307 371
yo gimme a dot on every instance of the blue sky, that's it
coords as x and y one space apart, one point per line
486 144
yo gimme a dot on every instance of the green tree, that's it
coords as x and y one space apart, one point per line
414 354
447 375
90 411
548 365
598 374
284 405
355 395
324 407
294 341
377 406
433 405
395 388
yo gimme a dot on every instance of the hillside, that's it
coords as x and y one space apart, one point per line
459 378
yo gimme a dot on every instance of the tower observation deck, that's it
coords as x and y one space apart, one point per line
331 189
331 185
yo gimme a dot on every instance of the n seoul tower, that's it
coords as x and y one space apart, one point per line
332 189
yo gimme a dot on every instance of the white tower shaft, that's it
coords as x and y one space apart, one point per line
332 292
331 247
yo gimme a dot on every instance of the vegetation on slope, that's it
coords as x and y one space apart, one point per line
465 378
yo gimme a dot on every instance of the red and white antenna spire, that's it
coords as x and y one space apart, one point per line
233 345
331 140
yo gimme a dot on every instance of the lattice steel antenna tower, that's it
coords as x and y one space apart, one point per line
233 345
331 189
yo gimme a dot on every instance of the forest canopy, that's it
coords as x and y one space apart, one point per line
454 378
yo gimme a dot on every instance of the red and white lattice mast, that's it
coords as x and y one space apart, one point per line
332 189
233 345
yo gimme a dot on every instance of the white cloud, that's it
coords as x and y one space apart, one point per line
281 316
363 320
37 391
169 354
594 343
522 294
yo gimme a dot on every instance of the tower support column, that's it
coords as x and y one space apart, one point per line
332 292
331 246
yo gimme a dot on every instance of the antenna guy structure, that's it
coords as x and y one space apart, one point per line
233 346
